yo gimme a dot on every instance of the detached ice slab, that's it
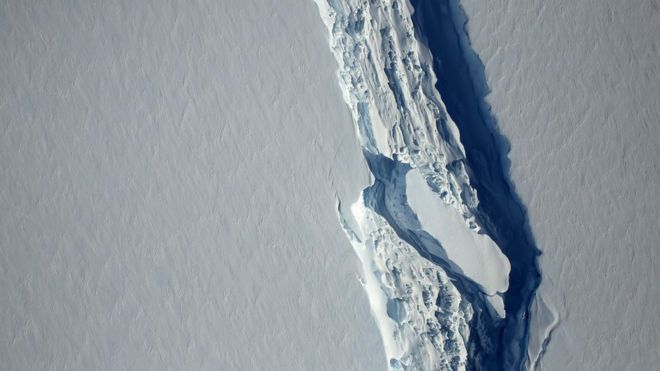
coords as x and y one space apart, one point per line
475 254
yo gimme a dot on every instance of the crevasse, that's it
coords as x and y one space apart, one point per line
434 278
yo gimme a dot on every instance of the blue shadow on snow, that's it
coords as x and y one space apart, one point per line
441 24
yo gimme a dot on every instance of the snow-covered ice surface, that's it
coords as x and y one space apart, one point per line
169 171
575 88
422 214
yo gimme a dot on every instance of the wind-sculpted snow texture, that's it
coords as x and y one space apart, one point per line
436 280
168 170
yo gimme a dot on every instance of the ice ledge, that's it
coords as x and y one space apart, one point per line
474 254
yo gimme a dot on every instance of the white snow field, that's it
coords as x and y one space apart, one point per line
575 87
169 177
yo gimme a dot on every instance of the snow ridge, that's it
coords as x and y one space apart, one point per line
430 269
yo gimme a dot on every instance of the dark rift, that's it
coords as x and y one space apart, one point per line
440 24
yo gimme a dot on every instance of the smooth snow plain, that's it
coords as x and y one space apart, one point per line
170 171
575 88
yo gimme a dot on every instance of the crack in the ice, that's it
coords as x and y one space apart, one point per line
462 84
403 123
